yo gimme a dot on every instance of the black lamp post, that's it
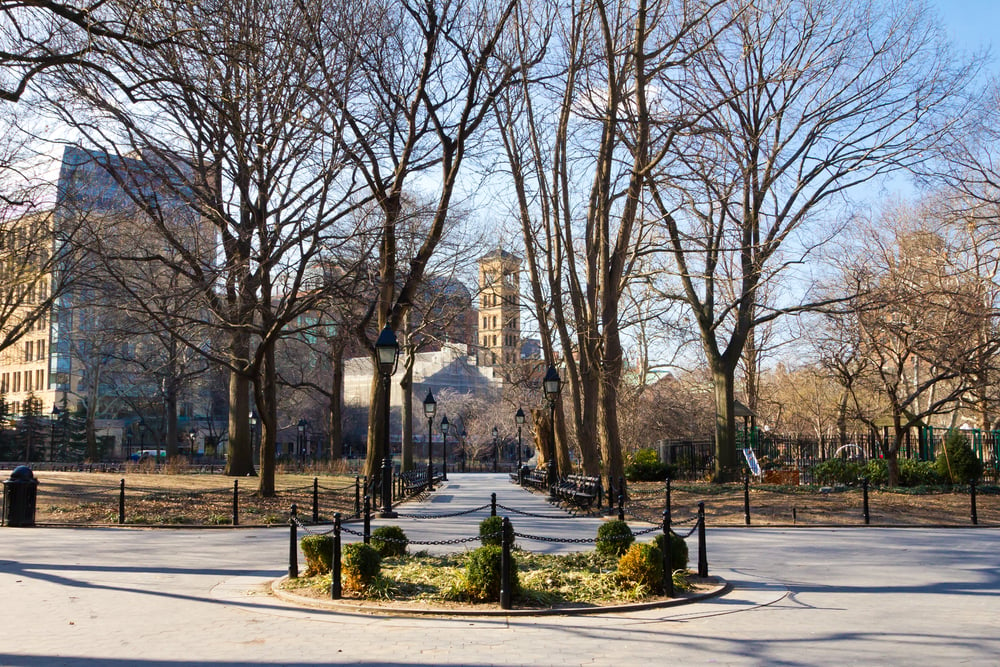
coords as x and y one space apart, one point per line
52 439
253 434
464 437
551 385
430 407
387 353
519 420
445 427
496 447
194 437
301 428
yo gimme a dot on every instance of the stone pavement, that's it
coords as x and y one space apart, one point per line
175 598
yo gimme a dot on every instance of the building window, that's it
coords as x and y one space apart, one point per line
40 378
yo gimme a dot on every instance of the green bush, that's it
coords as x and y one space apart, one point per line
489 531
614 538
678 551
318 550
918 473
876 471
642 565
360 565
957 463
837 471
644 465
482 574
389 541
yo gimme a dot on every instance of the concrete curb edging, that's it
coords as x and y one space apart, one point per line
353 606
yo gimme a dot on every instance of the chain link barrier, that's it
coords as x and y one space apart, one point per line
531 514
443 516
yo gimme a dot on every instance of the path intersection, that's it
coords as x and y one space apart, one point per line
88 597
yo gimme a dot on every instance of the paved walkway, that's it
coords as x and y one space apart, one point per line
176 598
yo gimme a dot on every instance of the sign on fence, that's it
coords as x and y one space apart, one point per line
752 461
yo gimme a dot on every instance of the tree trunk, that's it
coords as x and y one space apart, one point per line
726 469
266 393
335 426
406 446
240 461
376 429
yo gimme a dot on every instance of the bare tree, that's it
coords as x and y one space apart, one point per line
792 105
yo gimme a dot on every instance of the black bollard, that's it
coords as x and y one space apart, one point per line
357 496
368 519
335 590
621 501
666 503
505 583
236 502
668 566
293 544
702 549
864 501
315 499
121 503
746 499
972 501
493 504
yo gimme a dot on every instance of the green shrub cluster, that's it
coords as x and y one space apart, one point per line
678 551
482 574
318 550
359 566
911 472
957 463
642 565
389 541
644 465
614 538
489 531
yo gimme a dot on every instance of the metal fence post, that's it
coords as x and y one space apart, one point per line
864 501
746 499
972 501
236 502
621 499
702 549
335 589
315 499
493 504
357 496
668 566
293 544
368 519
505 579
666 504
121 502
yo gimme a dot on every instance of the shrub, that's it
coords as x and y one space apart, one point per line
642 565
489 531
614 538
678 551
837 471
876 471
360 565
957 463
389 541
645 465
318 550
918 473
482 574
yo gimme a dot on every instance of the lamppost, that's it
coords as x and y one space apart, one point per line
465 437
387 352
519 420
430 407
300 446
253 434
445 427
52 439
496 447
551 385
194 437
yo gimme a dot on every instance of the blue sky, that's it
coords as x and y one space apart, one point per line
972 24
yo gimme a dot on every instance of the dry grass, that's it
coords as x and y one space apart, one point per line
185 499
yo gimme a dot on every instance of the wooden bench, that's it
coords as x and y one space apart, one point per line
537 478
580 490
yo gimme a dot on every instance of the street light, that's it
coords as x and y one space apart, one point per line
519 420
551 384
464 437
194 436
445 427
430 407
253 433
52 440
496 447
301 444
387 353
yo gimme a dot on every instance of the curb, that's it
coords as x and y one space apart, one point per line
721 588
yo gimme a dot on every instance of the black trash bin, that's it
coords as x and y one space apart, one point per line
20 494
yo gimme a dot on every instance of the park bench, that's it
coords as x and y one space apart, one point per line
537 478
579 490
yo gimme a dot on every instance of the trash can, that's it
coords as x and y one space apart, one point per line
20 494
